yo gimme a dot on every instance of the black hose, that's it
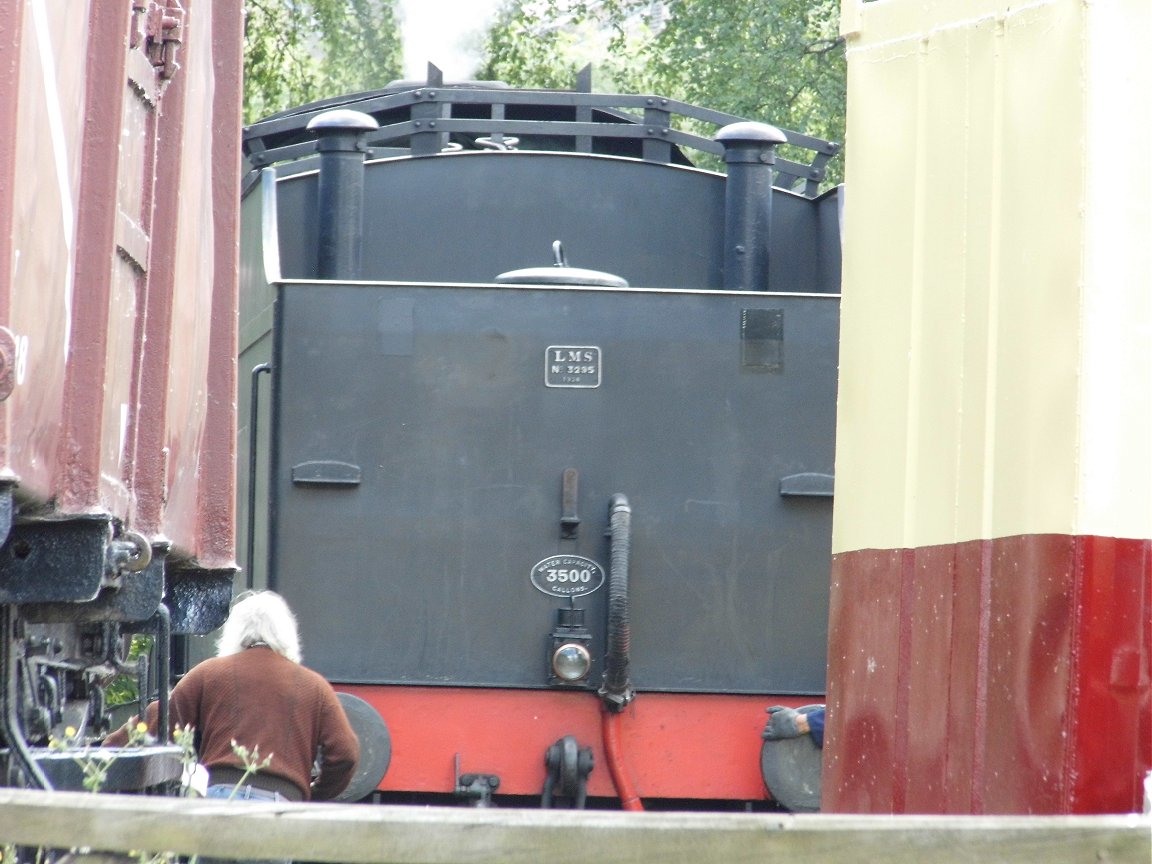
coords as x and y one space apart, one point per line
617 690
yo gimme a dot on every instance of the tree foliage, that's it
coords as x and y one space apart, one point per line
780 61
540 43
297 51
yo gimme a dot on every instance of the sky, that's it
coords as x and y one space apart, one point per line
436 31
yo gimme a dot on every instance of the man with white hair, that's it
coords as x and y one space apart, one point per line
255 693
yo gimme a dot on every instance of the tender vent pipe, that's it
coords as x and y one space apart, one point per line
750 154
340 194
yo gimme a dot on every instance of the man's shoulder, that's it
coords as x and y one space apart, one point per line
317 683
205 668
313 676
268 663
277 663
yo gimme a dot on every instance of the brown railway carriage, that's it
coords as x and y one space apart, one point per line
119 175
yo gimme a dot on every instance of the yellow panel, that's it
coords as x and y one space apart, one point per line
986 274
1042 151
951 128
1116 468
874 372
977 408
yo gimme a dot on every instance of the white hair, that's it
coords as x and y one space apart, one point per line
260 617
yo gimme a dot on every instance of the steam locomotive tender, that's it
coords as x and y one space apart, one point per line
545 462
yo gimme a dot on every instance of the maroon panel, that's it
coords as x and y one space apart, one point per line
1030 638
42 194
1112 668
1015 677
859 744
967 691
188 483
11 31
122 301
926 624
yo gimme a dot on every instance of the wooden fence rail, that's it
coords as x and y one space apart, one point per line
367 834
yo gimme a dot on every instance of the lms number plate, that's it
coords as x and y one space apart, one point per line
572 366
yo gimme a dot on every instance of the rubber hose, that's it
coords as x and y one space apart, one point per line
617 690
610 730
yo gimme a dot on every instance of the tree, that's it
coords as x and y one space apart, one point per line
781 61
536 43
298 51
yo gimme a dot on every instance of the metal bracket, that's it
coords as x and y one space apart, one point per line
54 561
159 26
568 766
478 787
198 597
569 496
810 484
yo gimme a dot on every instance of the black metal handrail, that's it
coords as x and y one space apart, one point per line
427 119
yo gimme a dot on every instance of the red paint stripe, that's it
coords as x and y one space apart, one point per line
674 745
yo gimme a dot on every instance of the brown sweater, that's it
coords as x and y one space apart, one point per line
259 698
